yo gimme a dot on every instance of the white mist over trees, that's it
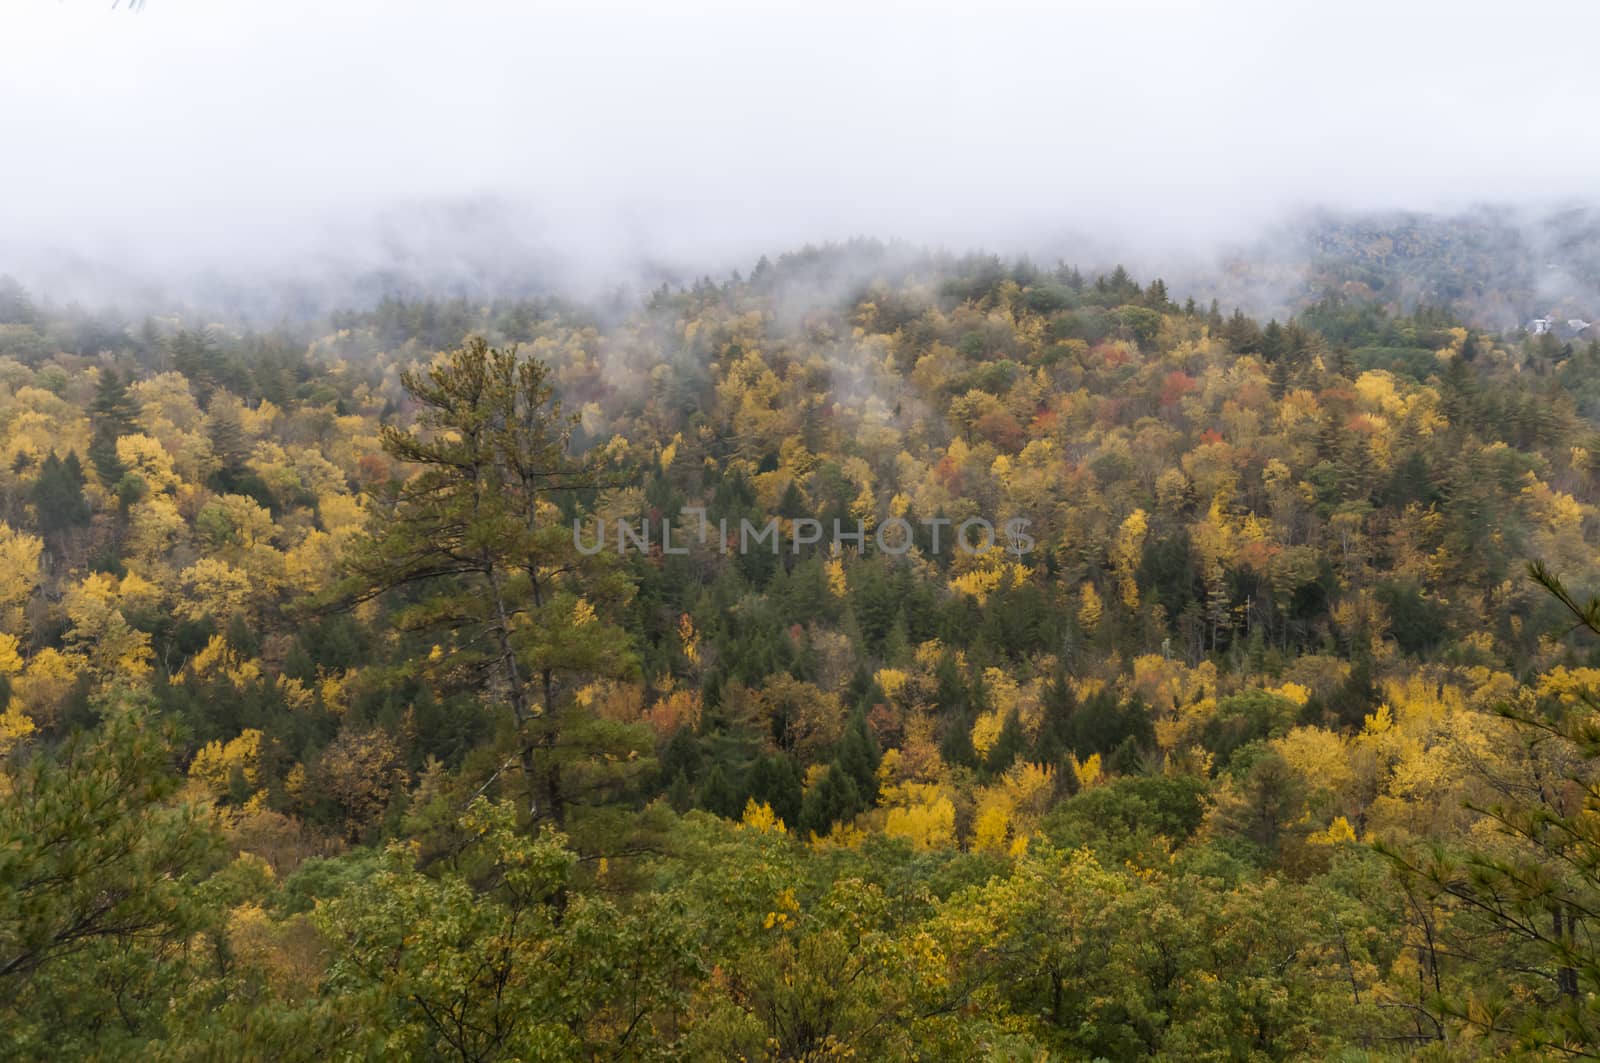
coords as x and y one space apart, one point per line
323 139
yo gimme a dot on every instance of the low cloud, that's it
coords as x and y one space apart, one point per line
192 146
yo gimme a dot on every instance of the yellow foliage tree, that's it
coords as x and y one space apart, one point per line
890 680
1087 772
214 588
214 765
991 826
760 817
10 654
19 574
146 457
219 660
100 634
922 813
1089 609
986 731
1126 554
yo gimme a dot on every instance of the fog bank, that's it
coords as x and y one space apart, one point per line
191 143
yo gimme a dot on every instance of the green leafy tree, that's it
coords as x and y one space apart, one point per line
98 901
497 959
1524 899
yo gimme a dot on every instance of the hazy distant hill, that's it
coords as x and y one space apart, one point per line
1496 267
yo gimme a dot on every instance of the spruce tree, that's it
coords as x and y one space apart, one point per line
1008 746
476 541
112 414
719 795
1054 740
834 799
57 496
859 756
774 781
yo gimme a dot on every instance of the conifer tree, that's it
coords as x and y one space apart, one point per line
57 496
476 542
112 414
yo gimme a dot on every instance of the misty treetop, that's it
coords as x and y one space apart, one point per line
321 738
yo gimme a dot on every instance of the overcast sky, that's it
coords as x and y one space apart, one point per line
203 130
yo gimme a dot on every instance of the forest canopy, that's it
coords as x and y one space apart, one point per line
320 736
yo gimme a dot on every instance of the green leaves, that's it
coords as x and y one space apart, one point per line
496 959
1586 614
1118 962
97 874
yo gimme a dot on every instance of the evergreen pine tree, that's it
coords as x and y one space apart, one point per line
680 795
228 445
774 781
112 414
859 756
57 496
1054 740
834 799
1008 746
719 795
